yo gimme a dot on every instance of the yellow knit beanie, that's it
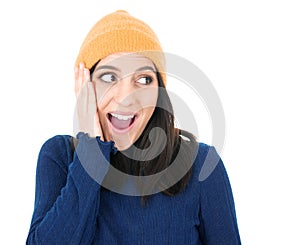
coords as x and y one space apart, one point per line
121 32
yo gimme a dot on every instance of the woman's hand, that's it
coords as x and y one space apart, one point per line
86 118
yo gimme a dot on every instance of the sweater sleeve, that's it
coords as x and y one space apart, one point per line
67 198
218 223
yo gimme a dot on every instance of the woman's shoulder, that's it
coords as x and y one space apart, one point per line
203 156
57 143
59 148
205 150
207 161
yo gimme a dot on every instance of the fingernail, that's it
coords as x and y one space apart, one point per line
85 71
81 65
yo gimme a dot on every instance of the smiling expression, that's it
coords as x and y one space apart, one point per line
127 90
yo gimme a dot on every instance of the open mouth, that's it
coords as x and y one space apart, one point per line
121 122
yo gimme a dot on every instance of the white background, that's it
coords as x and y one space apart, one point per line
249 50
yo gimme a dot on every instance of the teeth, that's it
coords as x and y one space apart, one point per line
122 117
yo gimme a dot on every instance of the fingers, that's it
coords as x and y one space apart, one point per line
92 104
76 74
97 124
81 75
87 118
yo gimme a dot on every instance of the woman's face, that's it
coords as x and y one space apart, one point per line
126 89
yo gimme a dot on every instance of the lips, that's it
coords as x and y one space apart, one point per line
121 122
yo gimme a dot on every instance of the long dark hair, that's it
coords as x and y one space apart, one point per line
165 151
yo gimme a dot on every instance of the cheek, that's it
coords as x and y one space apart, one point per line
148 102
147 114
148 98
102 95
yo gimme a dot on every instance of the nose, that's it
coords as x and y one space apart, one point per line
124 92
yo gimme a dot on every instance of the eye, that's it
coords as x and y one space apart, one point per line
108 77
145 80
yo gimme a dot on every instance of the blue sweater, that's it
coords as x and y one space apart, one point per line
72 208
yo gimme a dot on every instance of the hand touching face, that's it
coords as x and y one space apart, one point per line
85 116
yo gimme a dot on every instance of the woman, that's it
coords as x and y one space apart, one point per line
129 177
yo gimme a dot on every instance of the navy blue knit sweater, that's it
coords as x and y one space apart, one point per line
71 207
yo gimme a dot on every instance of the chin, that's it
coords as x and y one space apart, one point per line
122 144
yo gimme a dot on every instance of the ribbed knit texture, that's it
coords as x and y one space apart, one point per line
121 32
71 208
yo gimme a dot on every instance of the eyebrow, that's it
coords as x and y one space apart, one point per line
117 69
108 67
146 68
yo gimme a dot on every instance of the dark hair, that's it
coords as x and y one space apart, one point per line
163 118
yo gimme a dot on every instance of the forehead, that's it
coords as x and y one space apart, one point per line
126 61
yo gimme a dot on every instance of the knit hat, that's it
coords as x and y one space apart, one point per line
121 32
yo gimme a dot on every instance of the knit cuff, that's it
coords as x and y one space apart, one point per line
94 155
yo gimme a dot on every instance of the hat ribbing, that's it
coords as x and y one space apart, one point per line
121 32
